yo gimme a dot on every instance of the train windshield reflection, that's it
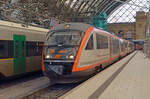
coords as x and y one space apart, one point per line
65 37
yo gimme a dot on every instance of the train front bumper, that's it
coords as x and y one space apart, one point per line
58 68
62 72
53 70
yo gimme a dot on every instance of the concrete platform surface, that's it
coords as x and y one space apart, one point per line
105 85
133 82
22 89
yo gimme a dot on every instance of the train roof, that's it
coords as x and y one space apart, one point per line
17 25
106 32
84 27
77 26
81 26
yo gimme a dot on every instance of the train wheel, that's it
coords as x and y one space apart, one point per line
120 57
1 77
98 69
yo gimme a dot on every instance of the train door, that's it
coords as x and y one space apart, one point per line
19 54
110 48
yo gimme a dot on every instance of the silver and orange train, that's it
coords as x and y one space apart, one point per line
74 51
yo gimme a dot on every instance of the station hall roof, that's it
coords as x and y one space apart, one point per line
35 11
77 8
64 8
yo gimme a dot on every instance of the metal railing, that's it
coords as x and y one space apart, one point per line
147 48
147 36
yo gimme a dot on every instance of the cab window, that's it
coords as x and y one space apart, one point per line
90 44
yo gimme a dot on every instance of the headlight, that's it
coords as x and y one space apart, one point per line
71 57
47 56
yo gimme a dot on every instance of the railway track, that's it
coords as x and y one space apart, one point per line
20 87
33 87
5 83
52 92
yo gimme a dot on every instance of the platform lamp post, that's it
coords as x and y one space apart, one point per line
149 33
147 42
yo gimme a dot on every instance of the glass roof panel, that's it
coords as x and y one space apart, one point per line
127 12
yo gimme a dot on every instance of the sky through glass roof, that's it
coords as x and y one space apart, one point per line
127 12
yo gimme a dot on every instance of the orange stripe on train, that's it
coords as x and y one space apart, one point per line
58 56
43 59
75 66
52 51
88 32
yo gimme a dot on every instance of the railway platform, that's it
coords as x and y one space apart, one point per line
25 88
127 79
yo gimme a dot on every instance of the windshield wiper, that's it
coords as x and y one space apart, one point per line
59 45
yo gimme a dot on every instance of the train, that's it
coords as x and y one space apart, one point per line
20 50
73 52
139 44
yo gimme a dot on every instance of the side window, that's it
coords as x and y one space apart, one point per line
102 41
126 44
122 46
90 44
115 45
16 49
10 49
34 49
6 49
23 49
3 48
31 46
39 48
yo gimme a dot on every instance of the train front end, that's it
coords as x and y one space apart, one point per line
60 51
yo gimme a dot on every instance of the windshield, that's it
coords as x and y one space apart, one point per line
65 37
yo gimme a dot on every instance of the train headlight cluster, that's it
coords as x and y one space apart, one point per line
47 56
71 57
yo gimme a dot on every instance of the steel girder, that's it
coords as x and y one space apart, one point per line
73 8
94 7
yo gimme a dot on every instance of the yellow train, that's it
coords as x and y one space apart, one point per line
20 50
